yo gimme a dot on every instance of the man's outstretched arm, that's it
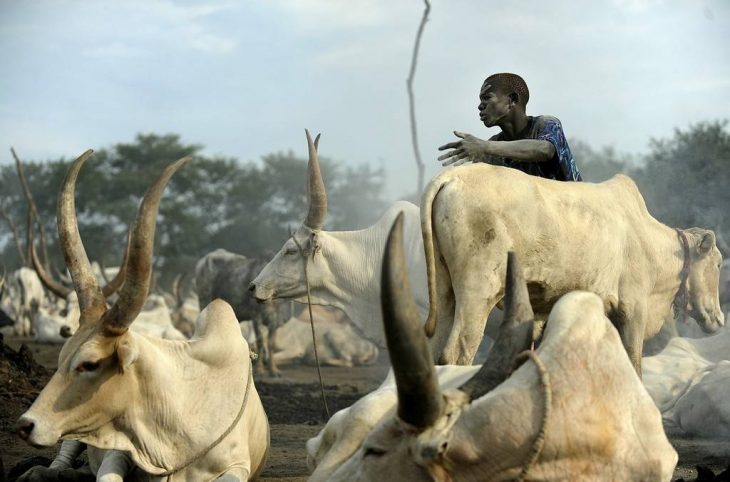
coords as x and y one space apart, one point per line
472 149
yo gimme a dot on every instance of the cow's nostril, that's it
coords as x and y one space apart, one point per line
24 428
252 287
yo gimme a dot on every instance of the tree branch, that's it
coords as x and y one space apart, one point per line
409 82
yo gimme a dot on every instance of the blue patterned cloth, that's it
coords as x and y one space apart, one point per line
561 167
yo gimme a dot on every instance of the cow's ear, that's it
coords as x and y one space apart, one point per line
127 352
706 243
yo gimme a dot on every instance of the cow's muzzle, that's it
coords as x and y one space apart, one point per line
261 293
28 429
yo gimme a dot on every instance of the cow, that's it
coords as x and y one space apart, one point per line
5 318
225 275
337 342
573 409
343 265
25 294
569 236
688 382
118 390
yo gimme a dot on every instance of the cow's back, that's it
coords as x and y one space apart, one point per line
567 235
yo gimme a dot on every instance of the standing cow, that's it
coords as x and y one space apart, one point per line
185 410
343 266
569 236
574 409
225 275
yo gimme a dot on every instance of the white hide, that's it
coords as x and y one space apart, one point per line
345 273
344 431
602 426
689 382
338 344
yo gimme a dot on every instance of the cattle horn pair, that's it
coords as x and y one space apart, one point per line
138 265
419 398
316 194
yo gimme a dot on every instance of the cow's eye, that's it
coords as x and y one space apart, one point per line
376 452
88 366
291 251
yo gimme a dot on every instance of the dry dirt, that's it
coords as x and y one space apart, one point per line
292 403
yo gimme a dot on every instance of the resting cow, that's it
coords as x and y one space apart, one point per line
575 410
568 236
118 390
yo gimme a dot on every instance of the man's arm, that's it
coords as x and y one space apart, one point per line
471 149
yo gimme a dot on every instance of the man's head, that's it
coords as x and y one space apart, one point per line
502 95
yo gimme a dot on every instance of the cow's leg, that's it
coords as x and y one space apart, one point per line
61 464
475 298
114 467
270 319
445 315
630 322
260 350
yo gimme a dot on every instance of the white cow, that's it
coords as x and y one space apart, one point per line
24 294
688 382
338 344
344 266
118 390
346 429
575 410
570 236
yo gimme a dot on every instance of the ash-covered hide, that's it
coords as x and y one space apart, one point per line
689 381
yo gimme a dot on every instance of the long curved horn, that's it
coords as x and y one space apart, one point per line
177 289
315 187
2 282
139 262
32 206
112 286
91 301
51 284
515 334
419 398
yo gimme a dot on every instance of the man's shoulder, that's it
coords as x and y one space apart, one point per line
543 120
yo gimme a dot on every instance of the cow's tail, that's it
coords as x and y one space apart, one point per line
427 200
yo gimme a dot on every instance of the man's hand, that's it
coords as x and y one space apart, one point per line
469 149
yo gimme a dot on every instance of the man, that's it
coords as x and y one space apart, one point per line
535 145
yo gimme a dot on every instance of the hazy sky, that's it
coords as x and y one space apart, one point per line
244 78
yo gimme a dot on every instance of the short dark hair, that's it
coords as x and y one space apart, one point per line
509 83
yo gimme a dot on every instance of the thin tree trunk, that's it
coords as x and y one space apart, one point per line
409 82
14 230
33 209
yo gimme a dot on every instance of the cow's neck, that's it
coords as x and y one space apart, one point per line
354 259
667 258
179 411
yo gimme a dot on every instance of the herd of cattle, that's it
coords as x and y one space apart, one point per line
564 393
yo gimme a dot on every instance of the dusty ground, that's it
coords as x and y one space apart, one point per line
293 405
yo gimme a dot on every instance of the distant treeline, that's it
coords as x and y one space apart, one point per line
684 179
211 203
248 207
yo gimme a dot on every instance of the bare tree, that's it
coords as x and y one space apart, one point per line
409 82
